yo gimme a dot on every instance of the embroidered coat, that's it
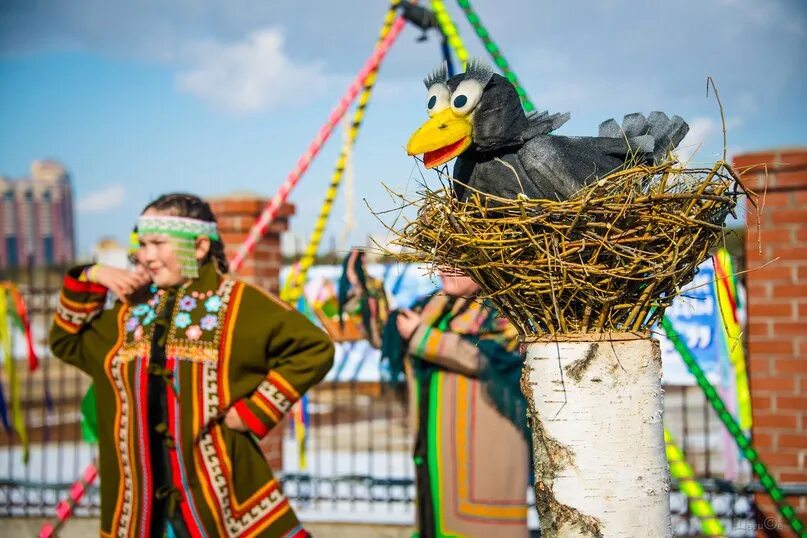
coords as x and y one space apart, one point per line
471 461
225 344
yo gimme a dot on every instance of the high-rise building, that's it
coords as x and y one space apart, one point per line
36 217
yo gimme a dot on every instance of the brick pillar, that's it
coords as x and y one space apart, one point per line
236 214
777 314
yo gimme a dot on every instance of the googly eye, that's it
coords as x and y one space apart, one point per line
438 98
466 97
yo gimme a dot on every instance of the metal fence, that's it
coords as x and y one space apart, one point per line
357 459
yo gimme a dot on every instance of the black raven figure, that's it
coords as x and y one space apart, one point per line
477 117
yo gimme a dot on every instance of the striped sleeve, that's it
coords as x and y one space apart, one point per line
266 407
79 304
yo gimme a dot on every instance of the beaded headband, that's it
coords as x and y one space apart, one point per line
183 231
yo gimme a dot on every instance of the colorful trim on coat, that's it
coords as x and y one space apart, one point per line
215 470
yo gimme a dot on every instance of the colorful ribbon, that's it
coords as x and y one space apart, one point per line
742 440
698 503
64 509
727 302
495 53
19 315
300 422
336 178
270 211
6 343
449 30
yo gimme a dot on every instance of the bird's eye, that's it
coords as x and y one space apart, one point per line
466 97
438 98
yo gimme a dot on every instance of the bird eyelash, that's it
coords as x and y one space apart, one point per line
439 75
479 70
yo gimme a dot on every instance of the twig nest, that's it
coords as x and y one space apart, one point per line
611 258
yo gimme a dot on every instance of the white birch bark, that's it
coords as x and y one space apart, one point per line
598 439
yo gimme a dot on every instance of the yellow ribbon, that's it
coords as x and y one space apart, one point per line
449 30
698 503
294 286
726 294
6 342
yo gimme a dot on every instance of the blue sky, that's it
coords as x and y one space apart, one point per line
137 99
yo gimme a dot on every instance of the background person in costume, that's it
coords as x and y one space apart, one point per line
190 367
462 366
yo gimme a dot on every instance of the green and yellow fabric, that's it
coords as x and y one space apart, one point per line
226 344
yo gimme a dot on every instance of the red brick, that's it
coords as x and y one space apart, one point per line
800 197
760 402
793 476
775 272
758 344
760 366
771 236
789 291
801 271
762 440
779 458
793 157
801 348
774 383
790 366
790 253
793 440
773 203
794 403
771 310
791 179
790 216
747 160
758 290
789 328
766 421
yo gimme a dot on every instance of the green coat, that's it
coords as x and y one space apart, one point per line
228 344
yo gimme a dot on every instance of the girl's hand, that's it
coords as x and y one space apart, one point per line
407 323
233 421
121 281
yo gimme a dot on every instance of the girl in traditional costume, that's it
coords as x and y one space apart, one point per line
191 367
462 366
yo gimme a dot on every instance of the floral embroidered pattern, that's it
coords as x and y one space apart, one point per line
209 322
193 332
141 310
187 304
182 320
132 323
213 304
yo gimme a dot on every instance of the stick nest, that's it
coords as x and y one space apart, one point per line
611 258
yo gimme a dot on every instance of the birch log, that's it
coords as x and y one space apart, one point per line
596 411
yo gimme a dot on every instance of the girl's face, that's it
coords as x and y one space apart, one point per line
158 256
458 285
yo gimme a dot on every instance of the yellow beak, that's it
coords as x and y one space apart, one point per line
441 138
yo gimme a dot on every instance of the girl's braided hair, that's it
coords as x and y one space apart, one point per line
180 204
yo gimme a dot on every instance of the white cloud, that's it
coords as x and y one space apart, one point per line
252 75
701 131
111 197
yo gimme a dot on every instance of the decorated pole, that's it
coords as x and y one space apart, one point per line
495 53
699 504
743 441
295 284
270 211
64 509
605 389
449 30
